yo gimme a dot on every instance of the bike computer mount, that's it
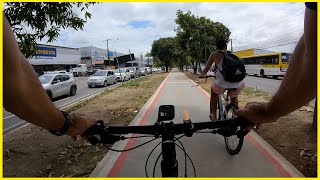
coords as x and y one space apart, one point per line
166 113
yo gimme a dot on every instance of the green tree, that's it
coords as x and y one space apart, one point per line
46 20
197 35
166 50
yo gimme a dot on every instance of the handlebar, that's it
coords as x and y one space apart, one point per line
207 76
105 134
111 134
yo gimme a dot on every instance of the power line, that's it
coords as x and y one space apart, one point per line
282 37
293 42
274 23
273 20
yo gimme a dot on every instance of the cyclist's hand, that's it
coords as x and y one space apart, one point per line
256 112
80 123
201 76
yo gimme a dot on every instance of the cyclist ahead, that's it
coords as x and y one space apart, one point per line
220 84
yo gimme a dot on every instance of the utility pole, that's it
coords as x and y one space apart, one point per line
205 47
141 60
115 54
231 46
108 50
132 63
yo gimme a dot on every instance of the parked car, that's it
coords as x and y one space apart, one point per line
122 74
56 84
60 72
135 72
144 71
92 71
149 71
102 78
155 69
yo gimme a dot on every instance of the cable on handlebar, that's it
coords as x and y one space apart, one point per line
194 169
185 158
155 165
146 164
133 137
124 150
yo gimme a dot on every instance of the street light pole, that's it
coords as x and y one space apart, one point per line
108 50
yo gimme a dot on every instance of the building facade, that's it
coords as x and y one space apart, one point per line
50 58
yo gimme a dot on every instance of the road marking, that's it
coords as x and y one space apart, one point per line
177 82
9 116
13 127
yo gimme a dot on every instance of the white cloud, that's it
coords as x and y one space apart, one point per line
246 22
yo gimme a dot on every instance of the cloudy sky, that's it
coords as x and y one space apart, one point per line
135 25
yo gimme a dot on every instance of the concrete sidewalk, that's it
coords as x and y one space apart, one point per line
208 151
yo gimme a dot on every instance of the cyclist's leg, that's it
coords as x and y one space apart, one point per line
215 91
214 101
234 94
235 101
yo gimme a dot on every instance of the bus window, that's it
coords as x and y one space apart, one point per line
285 57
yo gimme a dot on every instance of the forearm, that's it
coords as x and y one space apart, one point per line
298 86
300 83
208 65
206 69
22 91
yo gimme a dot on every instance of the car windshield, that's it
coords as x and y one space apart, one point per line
131 69
100 73
44 79
119 71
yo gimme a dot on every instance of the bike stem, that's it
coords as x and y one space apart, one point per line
169 163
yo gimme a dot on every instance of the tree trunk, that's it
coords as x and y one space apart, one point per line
195 68
314 122
167 68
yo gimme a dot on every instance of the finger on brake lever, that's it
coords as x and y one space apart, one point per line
94 131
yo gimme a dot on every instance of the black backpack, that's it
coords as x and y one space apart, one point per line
233 69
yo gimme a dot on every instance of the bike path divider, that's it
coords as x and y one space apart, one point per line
283 166
112 161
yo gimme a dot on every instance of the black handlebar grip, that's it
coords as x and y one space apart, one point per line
95 129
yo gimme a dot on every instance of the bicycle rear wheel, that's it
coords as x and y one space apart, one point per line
233 143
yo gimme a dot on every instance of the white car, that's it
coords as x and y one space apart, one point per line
149 70
122 74
144 71
155 70
56 84
102 78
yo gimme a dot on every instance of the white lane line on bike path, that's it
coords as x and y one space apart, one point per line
112 162
283 166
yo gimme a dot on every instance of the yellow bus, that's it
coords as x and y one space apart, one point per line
273 64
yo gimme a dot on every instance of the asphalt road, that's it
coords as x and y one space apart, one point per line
266 84
207 151
11 122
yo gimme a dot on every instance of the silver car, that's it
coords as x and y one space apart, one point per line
135 72
58 85
102 78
